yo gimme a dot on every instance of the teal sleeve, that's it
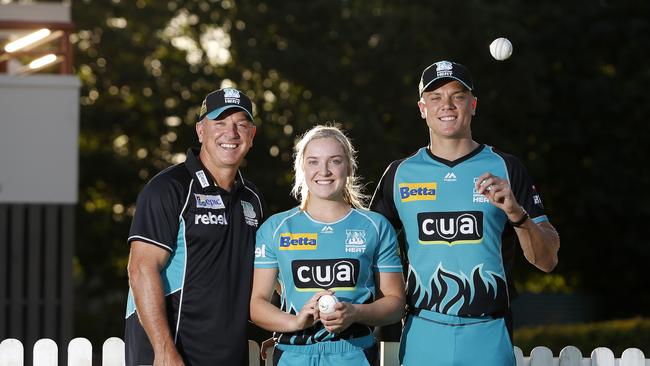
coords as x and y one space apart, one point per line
387 257
264 247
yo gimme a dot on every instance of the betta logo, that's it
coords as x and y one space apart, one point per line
319 274
417 191
450 228
298 241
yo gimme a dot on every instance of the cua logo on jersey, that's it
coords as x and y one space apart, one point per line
417 191
451 228
298 241
319 274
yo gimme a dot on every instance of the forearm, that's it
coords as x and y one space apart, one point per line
386 310
269 317
540 244
150 304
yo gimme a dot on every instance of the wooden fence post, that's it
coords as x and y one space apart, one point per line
12 353
632 357
113 352
80 352
602 356
46 353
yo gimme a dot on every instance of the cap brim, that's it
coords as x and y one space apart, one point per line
217 112
430 84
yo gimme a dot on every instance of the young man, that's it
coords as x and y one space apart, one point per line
457 200
192 246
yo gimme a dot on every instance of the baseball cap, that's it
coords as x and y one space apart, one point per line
443 70
221 100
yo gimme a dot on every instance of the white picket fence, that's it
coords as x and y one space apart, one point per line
46 353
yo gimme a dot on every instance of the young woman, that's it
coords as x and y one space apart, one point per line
328 245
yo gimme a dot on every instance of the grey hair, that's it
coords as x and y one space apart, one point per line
353 190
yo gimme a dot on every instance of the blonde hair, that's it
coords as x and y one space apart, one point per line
353 190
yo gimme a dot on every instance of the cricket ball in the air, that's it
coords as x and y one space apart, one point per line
501 48
327 304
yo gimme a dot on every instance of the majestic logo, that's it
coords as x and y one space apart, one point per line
315 275
450 228
231 96
249 213
327 230
202 179
355 241
298 241
477 197
210 219
450 177
207 201
417 191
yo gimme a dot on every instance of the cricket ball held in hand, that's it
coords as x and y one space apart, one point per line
327 304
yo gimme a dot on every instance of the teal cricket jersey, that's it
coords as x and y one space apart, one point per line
459 261
341 256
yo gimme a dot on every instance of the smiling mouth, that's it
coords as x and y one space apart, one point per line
447 118
229 146
324 182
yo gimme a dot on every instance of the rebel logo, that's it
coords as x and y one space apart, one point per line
451 228
318 274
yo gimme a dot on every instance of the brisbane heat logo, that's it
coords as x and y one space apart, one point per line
417 191
450 228
319 274
298 241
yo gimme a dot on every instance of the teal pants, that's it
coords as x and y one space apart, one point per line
433 339
353 352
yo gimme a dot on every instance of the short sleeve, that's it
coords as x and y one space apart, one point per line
157 214
387 258
525 191
265 256
382 200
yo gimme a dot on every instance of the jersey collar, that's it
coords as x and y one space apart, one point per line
203 177
453 163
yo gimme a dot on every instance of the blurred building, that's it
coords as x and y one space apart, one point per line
39 129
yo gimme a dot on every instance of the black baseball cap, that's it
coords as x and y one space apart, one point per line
221 100
444 70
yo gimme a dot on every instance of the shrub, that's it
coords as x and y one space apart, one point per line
616 335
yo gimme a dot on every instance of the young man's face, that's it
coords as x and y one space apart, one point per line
227 139
448 110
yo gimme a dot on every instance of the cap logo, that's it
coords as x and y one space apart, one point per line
231 96
443 66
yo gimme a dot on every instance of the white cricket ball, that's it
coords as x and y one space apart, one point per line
501 48
327 304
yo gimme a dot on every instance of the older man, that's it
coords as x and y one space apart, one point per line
192 244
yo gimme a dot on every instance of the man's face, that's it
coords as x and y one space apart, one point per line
227 139
448 110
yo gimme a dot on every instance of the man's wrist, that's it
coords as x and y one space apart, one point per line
519 222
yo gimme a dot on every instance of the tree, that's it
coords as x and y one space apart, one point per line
569 102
